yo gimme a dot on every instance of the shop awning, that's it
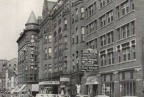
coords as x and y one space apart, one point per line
6 91
16 89
91 80
21 88
12 90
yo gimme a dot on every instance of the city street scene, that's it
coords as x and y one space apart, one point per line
71 48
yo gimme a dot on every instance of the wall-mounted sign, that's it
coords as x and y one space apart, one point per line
90 67
64 79
92 80
49 83
89 59
31 44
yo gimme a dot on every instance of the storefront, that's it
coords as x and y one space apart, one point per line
92 85
49 87
22 90
25 89
64 85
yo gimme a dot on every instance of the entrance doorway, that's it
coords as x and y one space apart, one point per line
55 89
92 90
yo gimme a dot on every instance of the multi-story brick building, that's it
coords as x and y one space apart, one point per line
57 47
27 55
11 74
45 46
112 27
3 63
109 27
13 65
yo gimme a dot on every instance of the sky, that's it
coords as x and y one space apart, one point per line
13 16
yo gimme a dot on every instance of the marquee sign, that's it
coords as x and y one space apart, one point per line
63 79
49 83
89 60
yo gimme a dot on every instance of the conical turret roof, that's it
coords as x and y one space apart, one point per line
32 19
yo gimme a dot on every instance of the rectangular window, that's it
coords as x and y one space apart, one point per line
110 56
76 18
65 24
108 85
73 38
95 24
82 12
82 33
55 25
126 51
133 49
103 40
91 10
118 11
59 21
123 29
65 42
127 84
102 21
91 26
110 37
49 53
95 6
87 12
55 52
32 38
119 56
87 29
49 38
103 58
133 27
91 44
102 3
110 16
125 7
118 33
132 4
45 53
127 30
77 38
108 1
73 18
45 40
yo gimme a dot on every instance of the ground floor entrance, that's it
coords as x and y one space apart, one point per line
115 84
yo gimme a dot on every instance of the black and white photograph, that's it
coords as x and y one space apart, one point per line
71 48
